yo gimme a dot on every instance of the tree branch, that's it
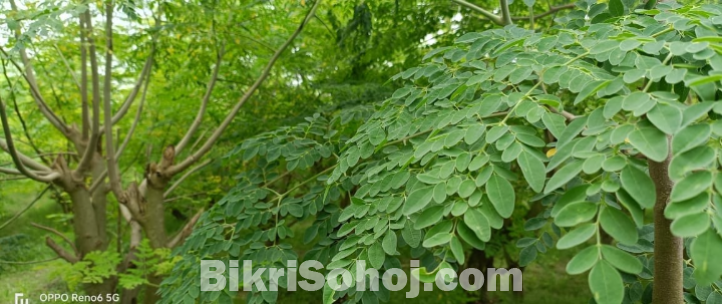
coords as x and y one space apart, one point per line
16 156
204 103
53 231
29 76
60 251
87 158
227 121
136 120
17 215
505 14
112 165
136 88
186 231
487 14
182 178
84 80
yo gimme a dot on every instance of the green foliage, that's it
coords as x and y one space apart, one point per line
447 158
94 268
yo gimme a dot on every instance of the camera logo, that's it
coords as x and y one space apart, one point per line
19 299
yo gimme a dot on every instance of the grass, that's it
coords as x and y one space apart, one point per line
23 243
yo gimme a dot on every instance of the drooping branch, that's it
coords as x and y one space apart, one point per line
17 215
35 92
227 121
18 159
31 142
53 231
29 76
204 104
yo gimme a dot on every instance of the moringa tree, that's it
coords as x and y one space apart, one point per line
614 114
96 173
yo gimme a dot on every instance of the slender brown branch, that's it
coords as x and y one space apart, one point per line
227 121
60 251
92 144
136 88
17 215
19 162
136 120
204 104
29 76
53 231
186 175
31 143
84 79
112 165
186 231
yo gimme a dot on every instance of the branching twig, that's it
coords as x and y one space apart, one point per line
227 121
204 104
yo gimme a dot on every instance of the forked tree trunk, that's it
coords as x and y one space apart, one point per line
668 249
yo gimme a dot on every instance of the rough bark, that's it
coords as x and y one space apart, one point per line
668 249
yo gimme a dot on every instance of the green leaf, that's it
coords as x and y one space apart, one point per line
478 223
439 193
691 185
619 226
437 240
429 217
501 194
577 236
693 205
639 185
606 284
621 260
417 200
457 250
690 137
576 213
616 8
584 260
527 255
690 225
533 170
469 236
706 251
666 118
376 255
389 243
328 293
563 176
714 298
651 142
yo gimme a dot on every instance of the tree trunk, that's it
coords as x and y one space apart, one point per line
668 249
479 260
